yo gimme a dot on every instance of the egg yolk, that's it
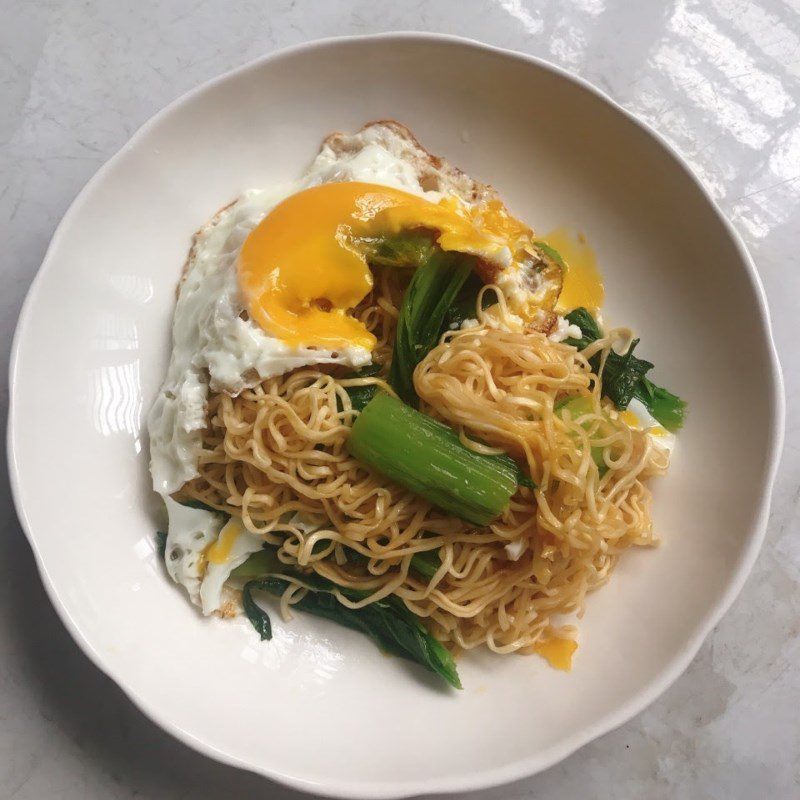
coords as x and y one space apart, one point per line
630 419
220 551
558 652
300 270
633 421
583 284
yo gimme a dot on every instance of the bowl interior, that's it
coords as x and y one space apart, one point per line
313 706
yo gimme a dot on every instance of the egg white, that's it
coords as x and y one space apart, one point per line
213 346
191 531
217 574
646 422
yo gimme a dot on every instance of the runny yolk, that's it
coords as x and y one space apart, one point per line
583 284
558 652
633 421
301 274
630 419
219 552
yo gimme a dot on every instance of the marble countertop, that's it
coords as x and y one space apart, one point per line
719 78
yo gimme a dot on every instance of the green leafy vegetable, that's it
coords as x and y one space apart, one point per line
523 479
361 395
406 249
622 374
577 407
257 616
426 563
428 458
551 253
431 292
624 377
465 305
161 543
388 622
257 564
666 407
200 506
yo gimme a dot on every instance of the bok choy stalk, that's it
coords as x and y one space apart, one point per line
428 458
424 563
577 407
624 377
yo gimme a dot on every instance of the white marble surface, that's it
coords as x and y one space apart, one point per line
720 78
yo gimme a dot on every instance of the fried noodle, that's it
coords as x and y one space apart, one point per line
276 456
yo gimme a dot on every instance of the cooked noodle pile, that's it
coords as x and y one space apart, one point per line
279 449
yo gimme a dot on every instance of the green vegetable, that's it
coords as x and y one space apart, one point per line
624 377
161 543
426 563
622 374
666 407
428 458
406 249
259 563
590 330
551 253
388 622
200 506
431 292
361 395
577 407
465 305
257 616
523 479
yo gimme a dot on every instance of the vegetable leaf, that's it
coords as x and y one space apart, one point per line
257 616
426 563
666 407
388 622
588 325
624 377
577 407
621 375
406 249
551 253
257 564
361 395
431 292
523 479
161 543
465 305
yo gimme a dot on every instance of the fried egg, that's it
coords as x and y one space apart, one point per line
191 532
271 282
218 344
204 547
637 416
231 548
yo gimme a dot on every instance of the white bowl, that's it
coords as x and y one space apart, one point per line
318 707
